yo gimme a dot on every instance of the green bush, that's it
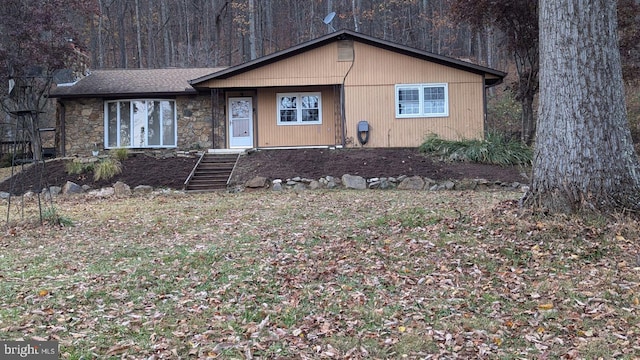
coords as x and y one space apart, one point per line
504 114
106 169
6 160
77 167
120 153
496 149
51 216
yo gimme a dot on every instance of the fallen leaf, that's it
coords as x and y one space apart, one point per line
118 349
547 306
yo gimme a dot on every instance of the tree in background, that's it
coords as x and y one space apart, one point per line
203 33
36 38
629 26
584 157
518 21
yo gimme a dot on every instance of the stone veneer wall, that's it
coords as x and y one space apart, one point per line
194 122
84 124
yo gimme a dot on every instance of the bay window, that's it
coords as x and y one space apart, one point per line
140 124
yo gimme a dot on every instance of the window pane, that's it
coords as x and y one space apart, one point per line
408 94
125 123
288 102
288 105
153 132
433 93
310 108
168 124
310 102
139 124
112 124
288 116
310 115
434 100
408 101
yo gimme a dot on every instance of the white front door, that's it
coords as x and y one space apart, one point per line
240 122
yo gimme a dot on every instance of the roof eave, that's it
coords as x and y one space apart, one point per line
124 95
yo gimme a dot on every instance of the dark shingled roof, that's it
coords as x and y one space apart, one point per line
133 82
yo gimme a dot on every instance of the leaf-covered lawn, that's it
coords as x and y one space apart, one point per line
335 274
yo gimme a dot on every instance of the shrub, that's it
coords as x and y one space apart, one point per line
51 216
76 167
6 160
106 169
504 114
120 153
495 149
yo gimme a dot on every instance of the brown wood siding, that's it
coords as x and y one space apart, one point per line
314 67
370 95
270 134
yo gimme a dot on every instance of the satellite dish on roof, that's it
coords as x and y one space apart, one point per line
328 19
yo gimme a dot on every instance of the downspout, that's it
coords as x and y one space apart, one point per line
342 95
484 105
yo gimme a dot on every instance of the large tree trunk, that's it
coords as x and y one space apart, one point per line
584 156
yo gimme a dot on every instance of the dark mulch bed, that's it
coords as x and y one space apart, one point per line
138 169
171 173
368 163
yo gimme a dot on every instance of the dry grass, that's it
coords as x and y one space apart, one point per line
5 172
322 274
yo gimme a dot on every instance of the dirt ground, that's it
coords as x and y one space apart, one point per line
272 164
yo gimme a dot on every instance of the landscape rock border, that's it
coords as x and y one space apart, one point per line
402 182
347 181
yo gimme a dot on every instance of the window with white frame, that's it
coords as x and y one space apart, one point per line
422 100
140 124
299 108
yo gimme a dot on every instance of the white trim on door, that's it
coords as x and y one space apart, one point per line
240 122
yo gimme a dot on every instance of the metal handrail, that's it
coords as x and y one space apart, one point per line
234 167
193 171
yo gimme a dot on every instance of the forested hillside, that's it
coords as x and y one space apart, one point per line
164 33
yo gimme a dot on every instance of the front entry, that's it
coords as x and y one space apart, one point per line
240 122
